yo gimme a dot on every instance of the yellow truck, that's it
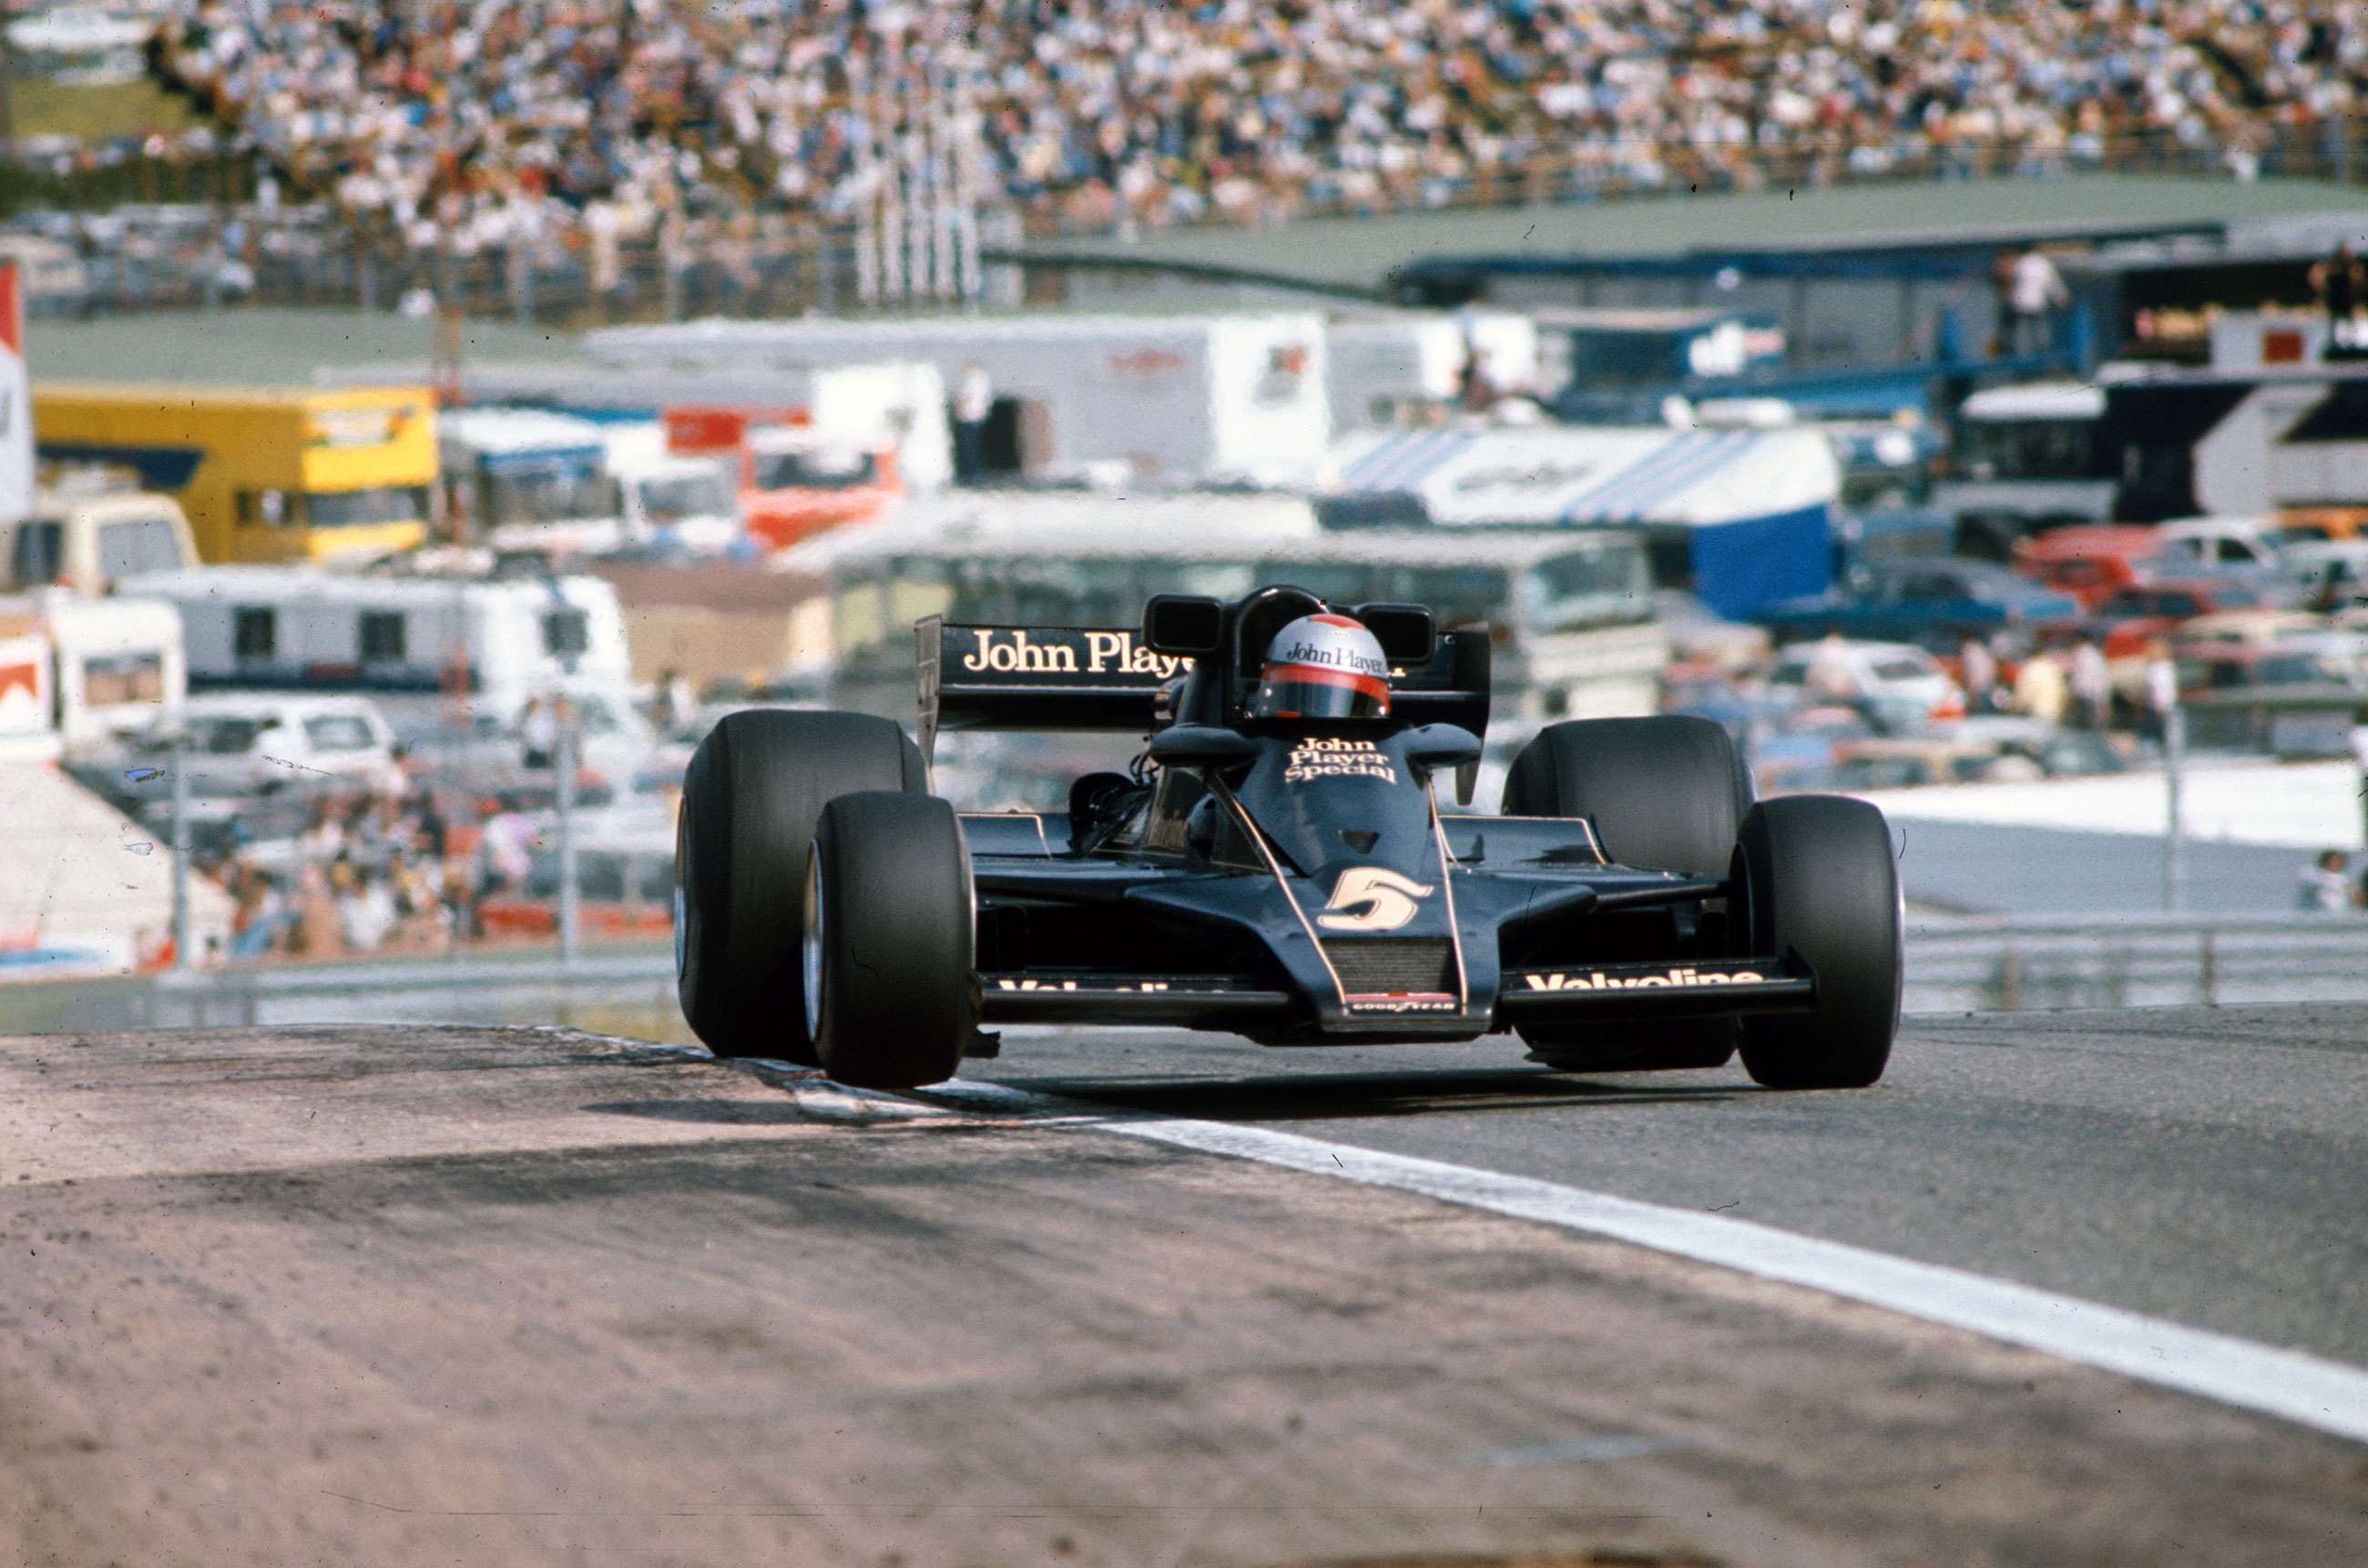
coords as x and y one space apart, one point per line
265 475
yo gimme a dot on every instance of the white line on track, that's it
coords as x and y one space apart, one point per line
2289 1385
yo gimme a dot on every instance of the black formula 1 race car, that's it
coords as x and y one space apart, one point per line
1279 873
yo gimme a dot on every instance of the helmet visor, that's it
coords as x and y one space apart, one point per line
1297 691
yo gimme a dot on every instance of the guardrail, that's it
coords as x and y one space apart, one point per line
1968 964
533 987
2138 961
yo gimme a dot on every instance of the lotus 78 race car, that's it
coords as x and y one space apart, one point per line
1275 865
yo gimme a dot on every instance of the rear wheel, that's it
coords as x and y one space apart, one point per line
1666 793
889 982
1819 883
755 791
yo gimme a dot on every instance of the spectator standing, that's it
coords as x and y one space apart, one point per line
2360 771
1979 668
973 402
2040 689
2325 888
677 701
2341 284
1830 676
2091 683
2161 680
262 916
2034 292
509 848
365 911
538 732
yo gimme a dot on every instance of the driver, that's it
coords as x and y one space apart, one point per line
1322 666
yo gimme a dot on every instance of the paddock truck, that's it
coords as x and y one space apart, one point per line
1284 879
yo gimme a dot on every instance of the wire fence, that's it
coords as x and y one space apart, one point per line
755 262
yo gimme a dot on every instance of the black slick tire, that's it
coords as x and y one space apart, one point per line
890 989
755 789
1820 885
1666 793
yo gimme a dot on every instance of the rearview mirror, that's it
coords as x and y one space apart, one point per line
1442 745
1183 625
1406 632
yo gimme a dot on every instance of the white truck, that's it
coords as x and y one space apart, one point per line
84 539
1381 372
692 503
528 479
1173 400
858 400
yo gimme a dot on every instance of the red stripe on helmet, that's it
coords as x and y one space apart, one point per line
1330 620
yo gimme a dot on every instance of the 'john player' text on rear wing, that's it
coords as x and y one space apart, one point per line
1109 678
1038 677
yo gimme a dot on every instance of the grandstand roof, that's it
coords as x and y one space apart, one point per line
1361 252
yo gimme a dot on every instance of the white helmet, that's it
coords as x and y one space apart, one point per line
1323 666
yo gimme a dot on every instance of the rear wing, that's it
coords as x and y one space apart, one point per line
1037 677
1072 677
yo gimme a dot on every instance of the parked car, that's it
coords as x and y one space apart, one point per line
1934 603
2331 659
260 743
2090 562
2059 752
1898 686
2130 619
2224 544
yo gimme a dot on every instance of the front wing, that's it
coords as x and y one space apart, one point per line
1610 993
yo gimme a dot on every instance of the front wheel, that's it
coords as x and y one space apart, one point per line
888 948
1820 884
756 788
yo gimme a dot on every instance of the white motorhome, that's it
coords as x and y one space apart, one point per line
85 539
74 672
496 643
1174 400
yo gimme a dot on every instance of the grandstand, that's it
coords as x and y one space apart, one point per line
565 160
509 117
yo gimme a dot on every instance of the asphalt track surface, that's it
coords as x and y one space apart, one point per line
394 1295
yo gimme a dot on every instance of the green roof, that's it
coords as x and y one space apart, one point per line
1363 251
236 346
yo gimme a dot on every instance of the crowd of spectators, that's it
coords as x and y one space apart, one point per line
606 118
377 873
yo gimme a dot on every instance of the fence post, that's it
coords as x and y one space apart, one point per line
569 912
2174 838
2211 970
2010 979
184 921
